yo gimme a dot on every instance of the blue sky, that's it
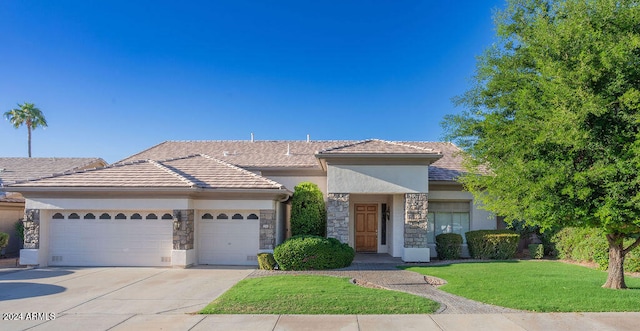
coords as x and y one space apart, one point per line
116 77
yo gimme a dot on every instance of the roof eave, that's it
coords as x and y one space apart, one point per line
322 157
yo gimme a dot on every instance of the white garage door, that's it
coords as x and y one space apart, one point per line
110 242
229 238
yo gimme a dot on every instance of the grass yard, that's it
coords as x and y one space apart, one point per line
543 286
305 294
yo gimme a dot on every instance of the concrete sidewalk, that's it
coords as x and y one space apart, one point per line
493 322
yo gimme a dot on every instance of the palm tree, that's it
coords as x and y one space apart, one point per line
27 114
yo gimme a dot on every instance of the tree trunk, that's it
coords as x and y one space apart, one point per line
29 140
615 278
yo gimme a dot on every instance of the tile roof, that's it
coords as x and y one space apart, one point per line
192 171
13 169
244 154
449 167
261 154
376 146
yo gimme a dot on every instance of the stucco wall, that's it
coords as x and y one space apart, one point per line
291 181
377 179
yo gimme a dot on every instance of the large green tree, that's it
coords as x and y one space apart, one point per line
553 120
26 114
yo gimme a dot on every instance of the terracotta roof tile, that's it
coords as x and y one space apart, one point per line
302 154
193 171
376 146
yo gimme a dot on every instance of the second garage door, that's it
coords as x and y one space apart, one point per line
228 238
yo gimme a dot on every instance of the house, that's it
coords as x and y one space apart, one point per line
15 169
182 203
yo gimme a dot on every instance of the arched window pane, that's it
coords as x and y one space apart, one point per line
167 216
222 216
58 216
105 216
207 216
89 216
252 217
237 217
152 216
121 216
74 216
136 216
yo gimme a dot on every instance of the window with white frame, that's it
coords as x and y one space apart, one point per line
448 217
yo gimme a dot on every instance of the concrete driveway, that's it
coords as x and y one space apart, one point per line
123 298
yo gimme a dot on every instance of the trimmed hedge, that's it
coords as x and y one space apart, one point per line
308 211
449 246
266 261
492 244
308 252
536 251
590 245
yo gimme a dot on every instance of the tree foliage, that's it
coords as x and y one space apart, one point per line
553 119
308 213
26 114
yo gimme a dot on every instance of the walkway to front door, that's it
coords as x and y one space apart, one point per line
366 227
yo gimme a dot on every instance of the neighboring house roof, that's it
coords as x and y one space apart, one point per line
265 155
13 169
190 172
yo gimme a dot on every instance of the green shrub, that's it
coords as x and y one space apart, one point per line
590 245
536 251
448 246
4 239
266 261
308 252
492 244
19 228
308 211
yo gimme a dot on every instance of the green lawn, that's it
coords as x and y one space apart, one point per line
304 294
546 286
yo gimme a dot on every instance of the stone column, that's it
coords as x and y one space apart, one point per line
267 228
31 228
338 216
183 224
415 220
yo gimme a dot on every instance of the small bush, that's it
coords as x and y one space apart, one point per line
492 244
308 211
266 261
308 252
448 246
4 239
536 251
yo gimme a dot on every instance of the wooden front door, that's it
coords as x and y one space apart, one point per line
366 227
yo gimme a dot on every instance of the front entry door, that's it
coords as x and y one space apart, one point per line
366 227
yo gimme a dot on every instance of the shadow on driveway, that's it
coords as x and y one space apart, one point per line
34 274
18 290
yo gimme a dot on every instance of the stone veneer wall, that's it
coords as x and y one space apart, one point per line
415 220
338 216
267 229
31 228
183 224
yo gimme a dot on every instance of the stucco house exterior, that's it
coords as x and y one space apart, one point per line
15 169
183 203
